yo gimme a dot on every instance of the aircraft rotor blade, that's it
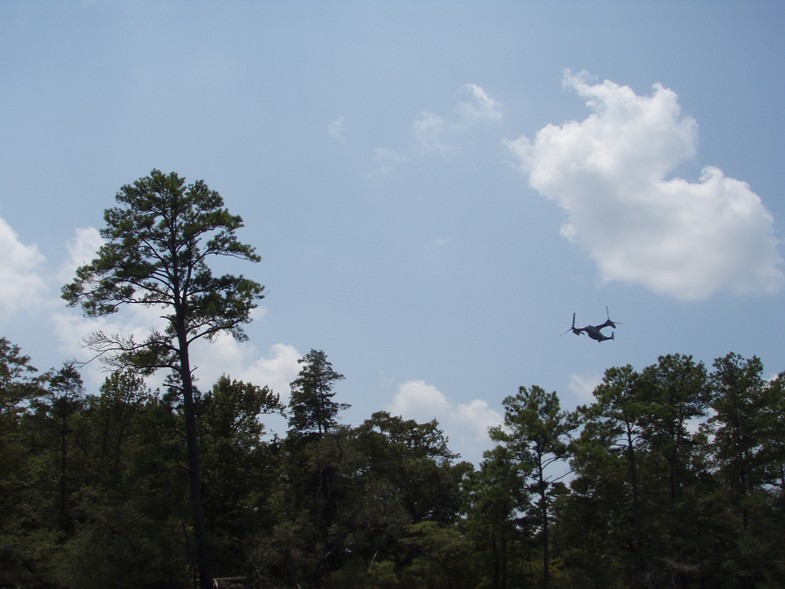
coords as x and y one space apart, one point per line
608 315
571 328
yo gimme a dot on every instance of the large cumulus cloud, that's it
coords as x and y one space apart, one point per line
610 173
21 282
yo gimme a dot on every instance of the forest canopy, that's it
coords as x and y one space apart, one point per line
674 476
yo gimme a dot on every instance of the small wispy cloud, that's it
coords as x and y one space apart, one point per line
388 159
476 105
438 243
447 132
337 129
442 133
583 385
609 172
431 131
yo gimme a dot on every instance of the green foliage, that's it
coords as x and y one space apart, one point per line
442 557
311 406
495 501
536 432
661 492
236 463
19 386
158 241
677 481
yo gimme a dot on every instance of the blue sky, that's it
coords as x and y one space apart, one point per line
434 187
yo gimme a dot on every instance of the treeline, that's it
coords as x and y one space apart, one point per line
674 476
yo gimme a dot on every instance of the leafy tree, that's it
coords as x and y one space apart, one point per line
158 241
746 430
18 381
311 406
414 458
537 432
237 464
58 408
304 547
772 522
20 384
394 474
739 402
605 511
131 505
443 557
112 414
676 393
670 399
774 445
495 501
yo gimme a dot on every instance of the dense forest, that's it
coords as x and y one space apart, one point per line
674 476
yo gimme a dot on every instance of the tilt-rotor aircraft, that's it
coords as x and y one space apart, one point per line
595 331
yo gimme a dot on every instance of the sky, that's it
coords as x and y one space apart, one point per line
434 187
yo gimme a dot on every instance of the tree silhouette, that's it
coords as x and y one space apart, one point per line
157 245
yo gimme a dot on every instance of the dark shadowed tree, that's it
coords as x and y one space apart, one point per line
739 402
237 465
494 503
537 431
312 408
18 380
613 433
64 399
315 442
20 383
606 522
675 391
158 242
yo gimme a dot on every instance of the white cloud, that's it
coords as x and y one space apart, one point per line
81 249
337 129
243 361
475 416
210 360
71 329
419 400
225 355
583 386
465 424
430 132
478 106
683 239
277 370
435 133
388 159
21 284
438 243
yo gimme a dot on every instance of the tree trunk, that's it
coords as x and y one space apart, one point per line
63 462
640 558
546 574
203 561
496 562
504 559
